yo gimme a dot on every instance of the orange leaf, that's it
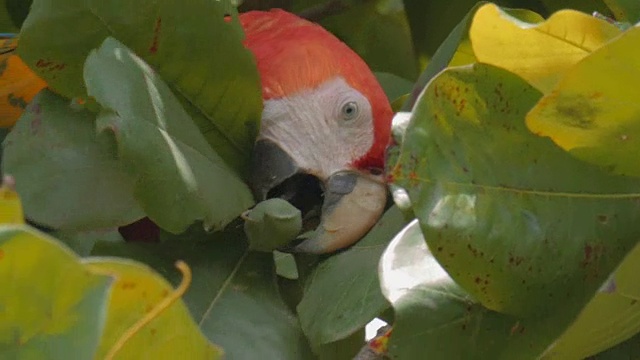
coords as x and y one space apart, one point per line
18 84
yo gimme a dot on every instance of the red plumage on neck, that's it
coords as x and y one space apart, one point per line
293 54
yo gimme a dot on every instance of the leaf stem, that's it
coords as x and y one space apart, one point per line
156 311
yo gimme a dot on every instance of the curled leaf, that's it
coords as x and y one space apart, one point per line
538 52
593 112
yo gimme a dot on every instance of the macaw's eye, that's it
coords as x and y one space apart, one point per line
376 171
350 110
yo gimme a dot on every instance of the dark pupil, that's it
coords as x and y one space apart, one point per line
349 110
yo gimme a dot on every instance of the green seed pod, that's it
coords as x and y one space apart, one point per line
271 224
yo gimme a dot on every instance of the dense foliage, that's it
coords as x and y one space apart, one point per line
514 228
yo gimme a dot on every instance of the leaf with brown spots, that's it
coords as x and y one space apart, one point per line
434 315
18 84
594 112
136 291
197 52
527 208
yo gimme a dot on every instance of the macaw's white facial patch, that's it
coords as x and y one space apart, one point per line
324 130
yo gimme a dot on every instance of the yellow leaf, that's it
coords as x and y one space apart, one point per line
139 291
18 84
594 112
10 204
50 305
538 52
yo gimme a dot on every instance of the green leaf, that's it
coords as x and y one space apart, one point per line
12 14
18 10
82 243
456 49
394 86
50 306
344 349
433 315
197 52
271 224
6 23
412 280
178 177
137 290
611 317
540 52
593 112
380 35
627 350
67 175
432 22
517 222
243 299
334 306
625 10
233 296
285 265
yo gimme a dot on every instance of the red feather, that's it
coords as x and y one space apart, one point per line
294 54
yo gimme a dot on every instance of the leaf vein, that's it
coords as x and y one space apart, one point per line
525 191
224 286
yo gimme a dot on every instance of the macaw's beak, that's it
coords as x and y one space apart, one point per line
340 208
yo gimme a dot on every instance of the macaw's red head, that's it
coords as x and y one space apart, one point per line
325 127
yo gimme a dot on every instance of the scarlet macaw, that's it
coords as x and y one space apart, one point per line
325 124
